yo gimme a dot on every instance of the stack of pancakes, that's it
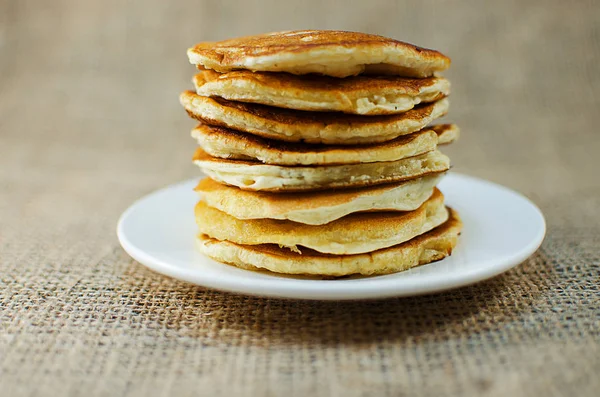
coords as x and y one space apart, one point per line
320 153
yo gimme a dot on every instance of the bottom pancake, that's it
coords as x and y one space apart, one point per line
429 247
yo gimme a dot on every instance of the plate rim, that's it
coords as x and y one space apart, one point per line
288 288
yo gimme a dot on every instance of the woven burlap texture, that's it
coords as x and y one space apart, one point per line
90 121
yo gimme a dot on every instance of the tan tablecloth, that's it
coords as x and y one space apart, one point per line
90 121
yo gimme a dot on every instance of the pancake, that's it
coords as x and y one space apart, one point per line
229 144
331 53
366 95
352 234
316 208
429 247
446 133
252 175
310 127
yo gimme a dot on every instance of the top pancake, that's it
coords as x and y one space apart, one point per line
366 95
330 53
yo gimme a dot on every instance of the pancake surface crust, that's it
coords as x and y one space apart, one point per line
429 247
352 234
310 127
331 53
366 95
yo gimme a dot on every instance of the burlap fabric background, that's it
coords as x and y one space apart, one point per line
89 121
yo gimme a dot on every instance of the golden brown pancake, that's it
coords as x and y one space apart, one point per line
310 127
352 234
366 95
316 208
253 175
331 53
229 144
446 133
429 247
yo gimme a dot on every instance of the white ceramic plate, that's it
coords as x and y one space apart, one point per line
501 229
